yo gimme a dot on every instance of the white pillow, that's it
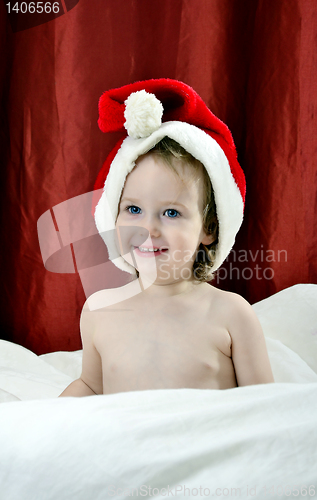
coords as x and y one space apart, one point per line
290 316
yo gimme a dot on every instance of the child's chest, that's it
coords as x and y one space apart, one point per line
164 349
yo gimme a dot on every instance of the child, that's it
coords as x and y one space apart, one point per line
176 193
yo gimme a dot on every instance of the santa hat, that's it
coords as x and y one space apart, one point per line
146 112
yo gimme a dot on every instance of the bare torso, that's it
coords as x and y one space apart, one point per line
181 341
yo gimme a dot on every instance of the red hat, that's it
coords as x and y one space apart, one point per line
148 111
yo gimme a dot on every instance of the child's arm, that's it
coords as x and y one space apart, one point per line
90 381
249 352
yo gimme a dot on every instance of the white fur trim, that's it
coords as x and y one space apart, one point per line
204 148
143 114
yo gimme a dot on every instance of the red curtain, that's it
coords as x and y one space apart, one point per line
254 64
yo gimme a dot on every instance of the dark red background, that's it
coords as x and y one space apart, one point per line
254 64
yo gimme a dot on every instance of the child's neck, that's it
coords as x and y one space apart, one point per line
169 289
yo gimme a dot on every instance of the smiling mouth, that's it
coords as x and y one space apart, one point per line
147 252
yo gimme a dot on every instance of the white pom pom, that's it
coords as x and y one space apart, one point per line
143 114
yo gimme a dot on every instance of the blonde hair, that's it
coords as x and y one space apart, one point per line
168 150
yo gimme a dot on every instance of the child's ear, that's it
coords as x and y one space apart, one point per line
208 239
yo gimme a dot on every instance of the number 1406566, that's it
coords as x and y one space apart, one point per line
32 7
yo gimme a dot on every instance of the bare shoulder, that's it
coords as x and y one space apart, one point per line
94 312
91 313
235 309
87 321
241 317
249 353
111 296
228 299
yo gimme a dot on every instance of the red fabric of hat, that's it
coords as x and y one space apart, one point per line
180 103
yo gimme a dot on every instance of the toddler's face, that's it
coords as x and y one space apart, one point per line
160 217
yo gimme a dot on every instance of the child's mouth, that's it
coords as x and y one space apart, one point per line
149 251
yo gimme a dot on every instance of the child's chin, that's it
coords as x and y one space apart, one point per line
146 267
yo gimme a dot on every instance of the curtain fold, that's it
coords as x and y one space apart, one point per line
254 64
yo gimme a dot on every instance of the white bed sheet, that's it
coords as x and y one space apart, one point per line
258 441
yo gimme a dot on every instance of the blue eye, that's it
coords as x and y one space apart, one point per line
172 213
134 210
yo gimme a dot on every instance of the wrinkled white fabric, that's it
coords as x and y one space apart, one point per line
88 448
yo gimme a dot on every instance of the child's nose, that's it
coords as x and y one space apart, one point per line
152 225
